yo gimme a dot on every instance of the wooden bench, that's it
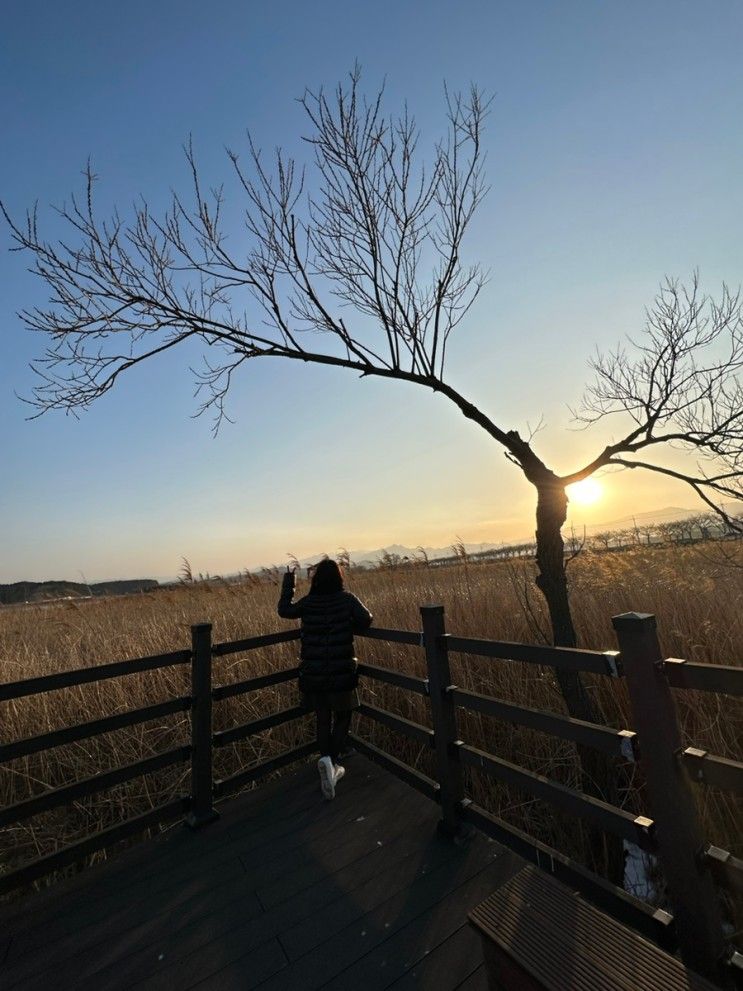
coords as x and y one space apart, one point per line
538 935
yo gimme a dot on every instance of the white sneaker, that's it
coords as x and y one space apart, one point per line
327 777
338 773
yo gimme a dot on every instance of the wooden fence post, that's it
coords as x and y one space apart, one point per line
680 844
448 768
202 809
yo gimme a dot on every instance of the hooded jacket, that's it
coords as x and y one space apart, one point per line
328 623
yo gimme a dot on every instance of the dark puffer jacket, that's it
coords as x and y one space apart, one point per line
328 625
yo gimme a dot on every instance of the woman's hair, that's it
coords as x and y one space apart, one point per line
326 578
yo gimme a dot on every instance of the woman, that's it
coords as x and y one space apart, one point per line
328 677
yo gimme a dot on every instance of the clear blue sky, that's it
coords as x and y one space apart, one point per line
615 156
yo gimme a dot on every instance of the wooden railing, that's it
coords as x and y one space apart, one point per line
197 807
691 867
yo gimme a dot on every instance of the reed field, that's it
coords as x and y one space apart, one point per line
695 593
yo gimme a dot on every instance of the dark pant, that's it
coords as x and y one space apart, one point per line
332 730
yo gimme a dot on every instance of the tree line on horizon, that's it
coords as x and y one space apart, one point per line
688 530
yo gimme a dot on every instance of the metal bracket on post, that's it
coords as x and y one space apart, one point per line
613 663
735 962
628 745
202 785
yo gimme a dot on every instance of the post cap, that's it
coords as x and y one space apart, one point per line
432 607
201 626
631 618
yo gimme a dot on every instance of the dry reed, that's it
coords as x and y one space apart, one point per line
698 602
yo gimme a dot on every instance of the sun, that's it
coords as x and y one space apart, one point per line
585 493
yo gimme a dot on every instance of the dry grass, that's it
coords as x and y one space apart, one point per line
698 603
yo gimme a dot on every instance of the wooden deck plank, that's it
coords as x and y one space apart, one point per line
331 898
311 932
123 869
296 788
69 960
450 963
419 937
260 963
477 981
177 881
361 812
87 925
174 934
463 872
154 917
395 841
284 891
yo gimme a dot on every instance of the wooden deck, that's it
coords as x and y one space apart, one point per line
285 891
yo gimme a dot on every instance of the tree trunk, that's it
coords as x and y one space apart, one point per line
598 773
552 510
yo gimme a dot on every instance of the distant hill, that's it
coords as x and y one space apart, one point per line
657 516
374 557
42 591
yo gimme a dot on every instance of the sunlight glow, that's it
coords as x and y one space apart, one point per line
585 493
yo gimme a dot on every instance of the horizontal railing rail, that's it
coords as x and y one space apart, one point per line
96 727
421 782
635 829
227 786
199 704
223 737
55 797
703 677
253 684
616 743
253 643
565 658
727 869
82 676
421 734
716 771
396 678
392 636
77 852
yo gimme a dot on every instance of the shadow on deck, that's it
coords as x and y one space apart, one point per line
285 891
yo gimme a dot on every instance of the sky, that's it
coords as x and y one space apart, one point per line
614 156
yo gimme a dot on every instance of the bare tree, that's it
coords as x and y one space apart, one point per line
681 387
603 541
708 525
378 236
